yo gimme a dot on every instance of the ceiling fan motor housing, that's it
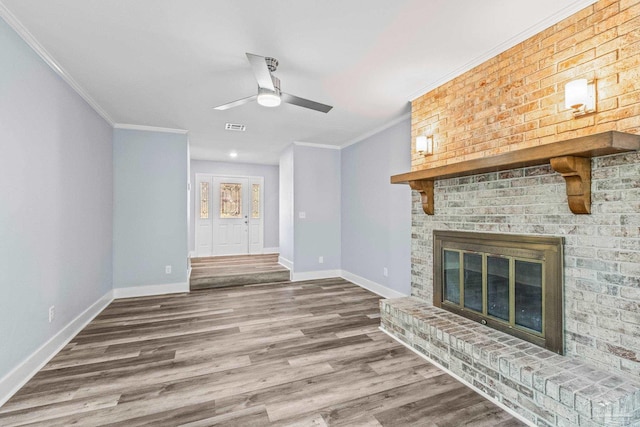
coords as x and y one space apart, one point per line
272 63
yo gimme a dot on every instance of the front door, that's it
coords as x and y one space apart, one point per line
229 218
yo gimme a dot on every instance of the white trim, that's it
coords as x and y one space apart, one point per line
192 254
31 41
376 130
274 250
189 268
462 380
314 275
18 377
285 263
314 145
372 286
508 44
151 290
149 128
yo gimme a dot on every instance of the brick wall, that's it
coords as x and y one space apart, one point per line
601 252
516 99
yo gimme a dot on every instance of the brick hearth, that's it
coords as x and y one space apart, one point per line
541 386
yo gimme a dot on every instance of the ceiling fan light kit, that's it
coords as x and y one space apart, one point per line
269 94
268 99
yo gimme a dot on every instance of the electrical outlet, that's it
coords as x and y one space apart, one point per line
302 215
52 313
167 269
385 272
321 260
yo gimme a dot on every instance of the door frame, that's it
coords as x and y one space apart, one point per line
213 192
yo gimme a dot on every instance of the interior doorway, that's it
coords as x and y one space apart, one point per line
229 216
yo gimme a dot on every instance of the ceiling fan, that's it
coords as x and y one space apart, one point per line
269 94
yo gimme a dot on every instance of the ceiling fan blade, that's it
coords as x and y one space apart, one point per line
236 103
306 103
261 71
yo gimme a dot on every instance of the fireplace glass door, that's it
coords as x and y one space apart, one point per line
508 289
508 282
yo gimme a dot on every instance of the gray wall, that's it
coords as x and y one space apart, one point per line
376 215
150 210
55 202
271 191
317 193
286 204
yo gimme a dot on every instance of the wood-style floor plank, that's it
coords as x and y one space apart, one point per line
277 354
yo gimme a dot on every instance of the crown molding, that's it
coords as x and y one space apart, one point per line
360 138
519 38
314 145
149 128
31 41
377 130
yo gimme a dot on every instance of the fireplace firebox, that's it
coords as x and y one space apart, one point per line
512 283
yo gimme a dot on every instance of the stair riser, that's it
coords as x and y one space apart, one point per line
238 280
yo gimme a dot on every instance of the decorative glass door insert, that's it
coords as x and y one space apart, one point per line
230 200
204 200
255 201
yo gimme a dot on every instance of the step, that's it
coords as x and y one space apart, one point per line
239 279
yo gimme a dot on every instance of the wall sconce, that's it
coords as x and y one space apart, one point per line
580 96
424 145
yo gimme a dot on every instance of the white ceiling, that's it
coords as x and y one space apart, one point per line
166 63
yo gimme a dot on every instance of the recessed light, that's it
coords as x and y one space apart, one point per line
233 154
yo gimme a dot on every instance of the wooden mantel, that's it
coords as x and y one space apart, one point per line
570 157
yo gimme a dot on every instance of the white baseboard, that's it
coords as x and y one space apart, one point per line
271 250
18 377
314 275
151 290
463 381
372 286
285 263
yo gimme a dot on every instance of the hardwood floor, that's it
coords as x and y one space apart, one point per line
279 354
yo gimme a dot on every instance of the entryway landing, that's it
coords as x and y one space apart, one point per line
236 270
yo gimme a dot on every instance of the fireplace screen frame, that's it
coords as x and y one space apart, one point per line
545 249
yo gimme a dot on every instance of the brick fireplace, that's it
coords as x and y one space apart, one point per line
601 294
601 250
515 102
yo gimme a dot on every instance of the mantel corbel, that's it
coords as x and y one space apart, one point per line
425 188
576 171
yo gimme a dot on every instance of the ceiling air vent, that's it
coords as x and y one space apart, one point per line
236 127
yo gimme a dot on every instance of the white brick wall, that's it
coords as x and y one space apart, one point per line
601 253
